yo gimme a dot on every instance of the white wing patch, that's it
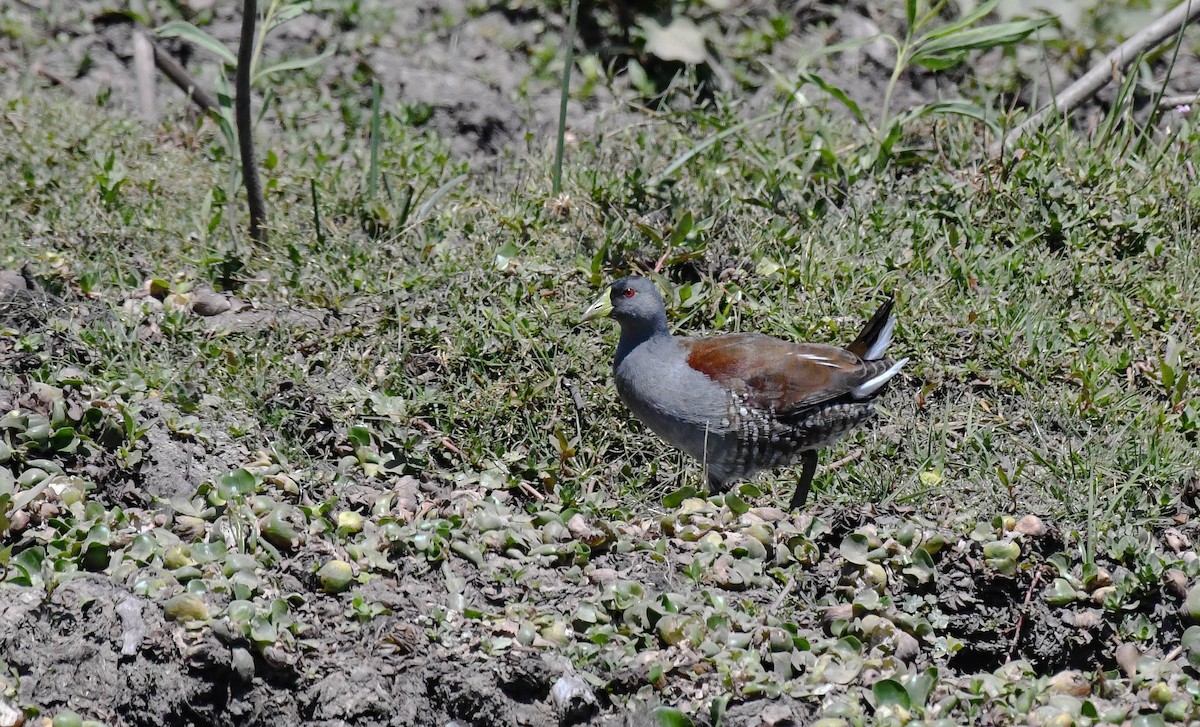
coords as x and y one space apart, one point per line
817 359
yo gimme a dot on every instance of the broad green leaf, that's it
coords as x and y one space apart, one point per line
1191 604
921 685
987 36
681 229
748 490
836 92
192 34
910 12
890 691
1060 592
736 504
922 567
1191 645
669 716
238 482
854 548
262 630
294 64
359 436
208 552
962 23
674 499
506 254
29 563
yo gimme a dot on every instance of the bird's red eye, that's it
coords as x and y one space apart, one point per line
629 293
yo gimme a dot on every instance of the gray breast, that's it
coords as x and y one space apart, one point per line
680 404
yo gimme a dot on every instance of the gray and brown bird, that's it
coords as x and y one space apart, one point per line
741 403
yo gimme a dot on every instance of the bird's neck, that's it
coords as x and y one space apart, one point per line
634 335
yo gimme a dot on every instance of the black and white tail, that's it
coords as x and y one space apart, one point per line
871 345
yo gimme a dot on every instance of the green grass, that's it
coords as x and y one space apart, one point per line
1037 299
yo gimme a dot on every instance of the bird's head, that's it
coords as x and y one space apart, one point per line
633 302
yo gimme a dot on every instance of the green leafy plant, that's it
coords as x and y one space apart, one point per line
936 48
232 115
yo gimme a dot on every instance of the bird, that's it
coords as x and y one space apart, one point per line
742 403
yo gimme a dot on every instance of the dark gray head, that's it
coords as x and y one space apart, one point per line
635 303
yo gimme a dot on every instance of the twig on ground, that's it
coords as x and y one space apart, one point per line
1104 71
662 260
528 489
1168 102
49 75
1012 647
177 75
852 457
786 590
443 439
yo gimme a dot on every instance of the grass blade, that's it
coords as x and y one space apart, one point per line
988 36
373 169
438 193
294 64
568 61
836 92
687 156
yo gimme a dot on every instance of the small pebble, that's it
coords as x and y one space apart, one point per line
603 575
776 714
11 281
243 665
1070 682
133 627
1176 540
1031 525
573 699
841 611
10 716
1176 582
208 303
1127 656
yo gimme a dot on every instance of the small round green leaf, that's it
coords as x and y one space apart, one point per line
670 717
676 498
854 548
890 691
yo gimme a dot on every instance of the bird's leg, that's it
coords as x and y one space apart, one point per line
808 468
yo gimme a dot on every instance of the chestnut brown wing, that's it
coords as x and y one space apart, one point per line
775 374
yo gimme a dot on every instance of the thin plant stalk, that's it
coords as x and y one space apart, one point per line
373 171
316 210
254 190
568 61
262 33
